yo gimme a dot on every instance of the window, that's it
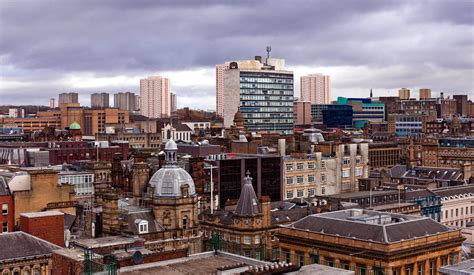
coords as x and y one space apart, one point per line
323 177
346 161
311 165
421 268
287 255
5 227
289 167
143 227
330 261
289 180
346 173
311 192
257 239
361 270
323 190
300 258
299 179
247 253
300 193
289 194
358 171
323 164
4 209
358 161
258 255
185 222
300 166
310 178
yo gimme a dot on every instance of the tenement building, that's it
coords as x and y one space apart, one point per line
457 207
371 242
383 154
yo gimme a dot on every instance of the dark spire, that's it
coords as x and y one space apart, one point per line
248 202
371 94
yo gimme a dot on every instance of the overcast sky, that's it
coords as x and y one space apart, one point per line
48 47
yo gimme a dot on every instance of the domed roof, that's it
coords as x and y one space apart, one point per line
171 145
238 116
168 181
74 126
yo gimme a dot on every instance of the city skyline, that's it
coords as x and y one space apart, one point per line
390 45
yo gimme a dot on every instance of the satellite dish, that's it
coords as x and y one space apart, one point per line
137 257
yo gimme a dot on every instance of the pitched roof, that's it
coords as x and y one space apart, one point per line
181 127
248 202
454 190
20 244
398 227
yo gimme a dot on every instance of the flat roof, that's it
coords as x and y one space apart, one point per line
202 263
42 214
106 241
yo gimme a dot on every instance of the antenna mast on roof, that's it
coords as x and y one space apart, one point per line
269 49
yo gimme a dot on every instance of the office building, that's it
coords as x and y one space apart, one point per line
302 113
371 242
125 101
383 154
100 100
338 116
405 124
404 93
231 169
68 98
52 103
173 102
425 93
155 97
316 88
264 93
364 110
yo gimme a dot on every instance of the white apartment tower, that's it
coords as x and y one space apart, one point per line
220 68
316 88
155 97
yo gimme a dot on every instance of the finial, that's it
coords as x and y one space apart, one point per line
248 173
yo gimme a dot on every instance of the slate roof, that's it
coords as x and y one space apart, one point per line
4 187
153 226
434 173
20 245
401 227
181 127
248 202
454 190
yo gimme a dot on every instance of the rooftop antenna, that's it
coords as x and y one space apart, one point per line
269 49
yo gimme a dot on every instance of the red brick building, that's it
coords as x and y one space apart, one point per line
48 225
7 219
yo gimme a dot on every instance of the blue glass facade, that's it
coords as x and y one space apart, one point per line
266 101
338 116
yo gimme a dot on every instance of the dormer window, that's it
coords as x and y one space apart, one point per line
142 226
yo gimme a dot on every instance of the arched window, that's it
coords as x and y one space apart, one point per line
168 134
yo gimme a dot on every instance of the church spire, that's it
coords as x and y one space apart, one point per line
371 94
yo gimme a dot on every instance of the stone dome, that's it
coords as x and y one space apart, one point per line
74 126
167 181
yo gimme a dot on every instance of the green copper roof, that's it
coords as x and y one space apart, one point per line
74 126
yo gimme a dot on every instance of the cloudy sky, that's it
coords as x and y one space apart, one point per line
48 47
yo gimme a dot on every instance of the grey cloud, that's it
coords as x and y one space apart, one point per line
56 38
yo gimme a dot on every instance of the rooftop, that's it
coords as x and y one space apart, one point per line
370 225
205 263
42 214
17 245
462 268
106 241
